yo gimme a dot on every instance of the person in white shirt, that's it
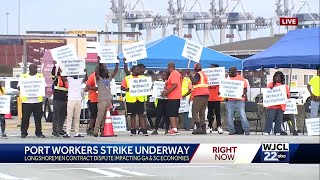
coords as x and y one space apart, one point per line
74 104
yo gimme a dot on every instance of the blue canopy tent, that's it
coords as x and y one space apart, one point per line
169 49
298 49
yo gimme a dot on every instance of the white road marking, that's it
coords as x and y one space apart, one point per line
103 172
8 177
130 172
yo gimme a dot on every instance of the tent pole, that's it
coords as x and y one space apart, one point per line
290 76
189 63
252 83
260 84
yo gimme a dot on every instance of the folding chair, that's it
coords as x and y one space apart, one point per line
252 107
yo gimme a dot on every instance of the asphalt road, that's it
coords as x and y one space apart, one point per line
156 171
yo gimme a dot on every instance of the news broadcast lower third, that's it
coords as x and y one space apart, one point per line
159 89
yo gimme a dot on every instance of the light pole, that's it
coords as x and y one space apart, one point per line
19 17
7 14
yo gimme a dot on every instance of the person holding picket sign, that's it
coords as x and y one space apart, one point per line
103 80
74 104
135 105
2 120
276 112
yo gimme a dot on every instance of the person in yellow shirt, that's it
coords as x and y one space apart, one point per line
186 91
314 90
2 120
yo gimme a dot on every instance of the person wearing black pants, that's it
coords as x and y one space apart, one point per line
60 99
27 110
161 115
31 105
214 110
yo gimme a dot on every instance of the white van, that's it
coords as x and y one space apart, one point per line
10 84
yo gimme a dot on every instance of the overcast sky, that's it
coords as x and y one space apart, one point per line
90 14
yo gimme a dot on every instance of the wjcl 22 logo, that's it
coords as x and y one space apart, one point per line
275 152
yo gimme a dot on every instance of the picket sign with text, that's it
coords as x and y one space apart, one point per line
72 67
119 123
158 87
140 86
291 107
63 53
113 87
313 126
108 54
5 104
184 106
215 75
275 96
134 51
231 88
192 51
32 87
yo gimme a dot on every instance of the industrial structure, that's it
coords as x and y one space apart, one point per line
222 16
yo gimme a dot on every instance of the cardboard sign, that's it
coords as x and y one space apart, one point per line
215 75
72 67
108 54
184 106
274 96
119 123
135 51
113 87
32 87
63 53
291 107
158 87
140 86
192 51
313 126
231 88
5 104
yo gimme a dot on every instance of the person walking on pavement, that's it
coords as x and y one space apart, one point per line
60 99
237 104
200 97
214 106
173 93
31 105
2 119
74 104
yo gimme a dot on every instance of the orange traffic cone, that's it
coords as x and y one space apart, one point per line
8 116
108 128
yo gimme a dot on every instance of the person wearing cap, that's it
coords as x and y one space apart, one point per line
200 97
237 104
173 94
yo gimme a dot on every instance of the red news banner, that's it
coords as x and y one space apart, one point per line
289 21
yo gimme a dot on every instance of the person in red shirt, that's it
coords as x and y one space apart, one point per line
173 92
214 106
237 104
275 113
